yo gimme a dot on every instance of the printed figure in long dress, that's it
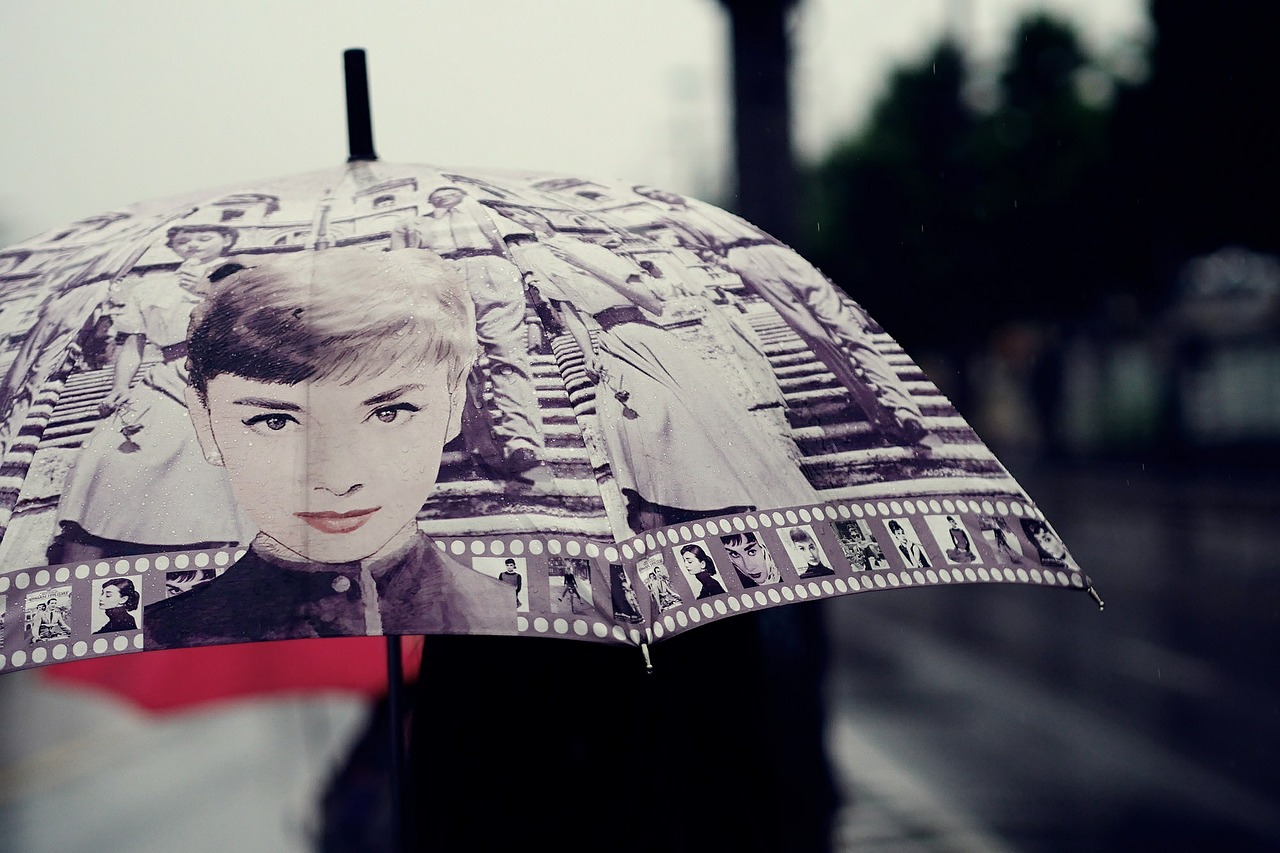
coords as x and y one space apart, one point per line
140 483
805 299
679 446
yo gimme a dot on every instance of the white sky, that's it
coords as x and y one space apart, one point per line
105 104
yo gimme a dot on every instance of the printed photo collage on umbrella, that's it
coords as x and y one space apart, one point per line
596 360
655 585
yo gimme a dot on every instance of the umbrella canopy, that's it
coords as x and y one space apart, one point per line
392 399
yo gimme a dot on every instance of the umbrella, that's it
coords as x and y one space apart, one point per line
387 399
620 413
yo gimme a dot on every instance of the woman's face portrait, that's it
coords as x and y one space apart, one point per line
201 245
110 597
331 470
691 562
749 558
1050 544
808 551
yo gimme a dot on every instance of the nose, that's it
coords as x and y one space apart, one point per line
333 465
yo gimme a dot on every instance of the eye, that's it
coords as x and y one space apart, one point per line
397 411
274 421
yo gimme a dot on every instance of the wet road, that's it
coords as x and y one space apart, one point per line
992 717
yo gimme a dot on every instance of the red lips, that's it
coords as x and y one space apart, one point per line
338 522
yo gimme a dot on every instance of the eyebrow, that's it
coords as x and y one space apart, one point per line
392 394
268 403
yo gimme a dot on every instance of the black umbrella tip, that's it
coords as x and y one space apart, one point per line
359 118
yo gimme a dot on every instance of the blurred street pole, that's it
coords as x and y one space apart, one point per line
765 166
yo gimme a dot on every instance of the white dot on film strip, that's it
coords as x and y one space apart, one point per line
522 624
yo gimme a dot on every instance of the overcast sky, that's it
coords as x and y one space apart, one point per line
109 103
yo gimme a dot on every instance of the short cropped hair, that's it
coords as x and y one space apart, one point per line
741 540
232 234
127 590
699 555
345 314
799 535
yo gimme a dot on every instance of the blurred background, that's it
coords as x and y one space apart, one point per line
1066 211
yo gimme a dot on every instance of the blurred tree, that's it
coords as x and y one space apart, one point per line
945 222
1195 145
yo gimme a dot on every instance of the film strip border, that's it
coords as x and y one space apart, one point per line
654 585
